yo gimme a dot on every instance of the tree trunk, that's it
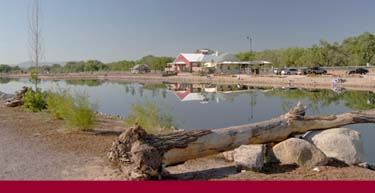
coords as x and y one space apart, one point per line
17 99
142 156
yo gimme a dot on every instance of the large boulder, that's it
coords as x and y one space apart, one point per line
250 157
228 155
343 144
300 152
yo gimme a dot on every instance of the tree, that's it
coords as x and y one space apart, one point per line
352 51
93 65
35 31
155 63
366 47
246 56
291 57
56 68
5 68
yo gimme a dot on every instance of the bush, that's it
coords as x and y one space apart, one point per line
150 116
76 110
81 114
59 102
35 101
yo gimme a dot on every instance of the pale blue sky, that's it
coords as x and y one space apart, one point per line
111 30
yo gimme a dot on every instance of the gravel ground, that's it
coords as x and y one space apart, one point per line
35 147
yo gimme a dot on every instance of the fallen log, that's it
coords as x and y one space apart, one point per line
143 156
17 99
14 103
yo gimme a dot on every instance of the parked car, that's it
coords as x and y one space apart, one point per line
358 71
302 71
169 73
289 71
316 70
277 71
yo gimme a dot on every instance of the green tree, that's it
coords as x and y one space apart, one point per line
366 47
246 56
291 57
5 68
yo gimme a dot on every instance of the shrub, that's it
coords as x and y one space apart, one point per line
35 101
33 78
150 116
59 102
81 114
76 110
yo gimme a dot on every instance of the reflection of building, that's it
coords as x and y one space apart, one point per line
187 92
200 92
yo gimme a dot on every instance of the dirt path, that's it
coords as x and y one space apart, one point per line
35 148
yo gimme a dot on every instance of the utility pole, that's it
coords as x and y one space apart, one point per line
251 49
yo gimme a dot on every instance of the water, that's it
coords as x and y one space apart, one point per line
215 106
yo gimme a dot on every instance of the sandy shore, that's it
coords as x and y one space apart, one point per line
355 82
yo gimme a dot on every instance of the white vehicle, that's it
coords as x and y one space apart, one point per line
289 71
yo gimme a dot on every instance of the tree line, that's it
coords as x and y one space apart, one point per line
155 63
353 51
6 68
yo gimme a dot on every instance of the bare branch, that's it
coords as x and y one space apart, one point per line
35 31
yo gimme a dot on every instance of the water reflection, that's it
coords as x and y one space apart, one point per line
208 92
356 100
156 89
202 106
4 80
91 83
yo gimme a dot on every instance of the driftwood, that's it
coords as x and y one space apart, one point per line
14 103
17 99
142 156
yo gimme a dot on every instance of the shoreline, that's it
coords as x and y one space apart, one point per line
360 83
45 152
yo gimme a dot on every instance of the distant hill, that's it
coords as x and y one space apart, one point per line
28 64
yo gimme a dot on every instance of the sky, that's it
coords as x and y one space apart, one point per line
113 30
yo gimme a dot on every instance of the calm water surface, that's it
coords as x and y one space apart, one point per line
215 106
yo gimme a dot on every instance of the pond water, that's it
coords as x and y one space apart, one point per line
202 106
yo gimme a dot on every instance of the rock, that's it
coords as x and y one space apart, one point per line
300 152
249 157
316 169
364 165
228 155
270 155
342 144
